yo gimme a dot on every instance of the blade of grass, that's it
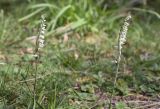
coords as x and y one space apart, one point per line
54 22
43 5
30 15
70 27
148 11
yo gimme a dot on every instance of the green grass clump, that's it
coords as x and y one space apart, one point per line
76 68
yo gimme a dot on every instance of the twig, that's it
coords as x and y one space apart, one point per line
148 105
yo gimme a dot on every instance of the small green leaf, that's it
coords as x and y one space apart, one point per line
121 105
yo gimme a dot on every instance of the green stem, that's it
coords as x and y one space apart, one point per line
35 82
115 79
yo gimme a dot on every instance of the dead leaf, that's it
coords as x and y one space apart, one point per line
65 38
32 39
76 55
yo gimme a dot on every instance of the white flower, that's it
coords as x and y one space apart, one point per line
123 33
40 39
41 33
